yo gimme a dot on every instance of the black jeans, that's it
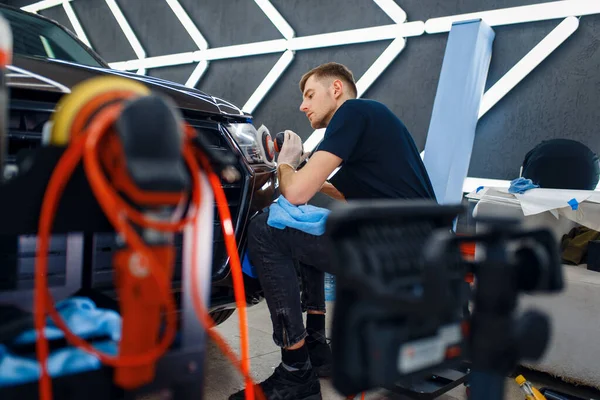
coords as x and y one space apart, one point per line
282 258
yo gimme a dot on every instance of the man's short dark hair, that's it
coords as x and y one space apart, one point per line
332 70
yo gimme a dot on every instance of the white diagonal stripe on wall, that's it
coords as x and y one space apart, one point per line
129 34
197 74
75 22
393 10
528 63
188 24
267 83
42 5
276 18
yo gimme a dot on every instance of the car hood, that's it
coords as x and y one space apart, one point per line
60 76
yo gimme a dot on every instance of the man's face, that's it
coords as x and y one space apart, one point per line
318 102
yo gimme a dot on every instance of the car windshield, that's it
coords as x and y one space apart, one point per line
37 37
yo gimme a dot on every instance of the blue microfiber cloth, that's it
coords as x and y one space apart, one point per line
83 318
16 370
247 267
306 218
521 185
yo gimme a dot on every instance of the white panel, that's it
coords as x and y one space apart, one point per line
473 183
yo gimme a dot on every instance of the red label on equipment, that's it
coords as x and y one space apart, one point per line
5 58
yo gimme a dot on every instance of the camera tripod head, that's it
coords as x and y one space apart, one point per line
402 300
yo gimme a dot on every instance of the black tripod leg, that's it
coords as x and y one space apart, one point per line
486 386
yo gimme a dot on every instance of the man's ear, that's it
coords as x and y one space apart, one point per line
338 88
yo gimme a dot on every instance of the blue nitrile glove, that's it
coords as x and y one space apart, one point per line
521 185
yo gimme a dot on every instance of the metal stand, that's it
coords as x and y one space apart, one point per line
437 384
400 299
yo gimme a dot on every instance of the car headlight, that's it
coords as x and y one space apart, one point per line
256 145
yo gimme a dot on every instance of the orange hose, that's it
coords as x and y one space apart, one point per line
238 279
86 146
43 301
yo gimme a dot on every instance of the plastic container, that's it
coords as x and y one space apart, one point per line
553 394
329 287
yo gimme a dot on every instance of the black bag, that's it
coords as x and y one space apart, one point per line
562 164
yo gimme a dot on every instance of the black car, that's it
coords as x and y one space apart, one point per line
48 61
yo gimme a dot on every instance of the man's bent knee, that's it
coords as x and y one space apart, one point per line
259 234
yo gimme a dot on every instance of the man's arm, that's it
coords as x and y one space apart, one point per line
298 187
332 192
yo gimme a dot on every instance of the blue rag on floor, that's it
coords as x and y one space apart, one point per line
521 185
85 320
16 370
306 218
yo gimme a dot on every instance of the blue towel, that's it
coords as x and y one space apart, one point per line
521 185
16 370
85 320
307 218
247 267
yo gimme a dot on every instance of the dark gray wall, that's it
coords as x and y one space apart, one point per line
559 99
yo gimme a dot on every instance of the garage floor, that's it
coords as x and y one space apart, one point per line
222 379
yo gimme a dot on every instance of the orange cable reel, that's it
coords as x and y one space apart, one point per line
85 123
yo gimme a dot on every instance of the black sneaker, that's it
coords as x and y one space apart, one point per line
321 358
286 385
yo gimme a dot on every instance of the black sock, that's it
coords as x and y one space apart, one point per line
315 327
296 360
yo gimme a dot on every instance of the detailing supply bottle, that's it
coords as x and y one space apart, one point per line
329 287
531 393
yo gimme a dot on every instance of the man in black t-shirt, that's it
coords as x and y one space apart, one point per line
377 158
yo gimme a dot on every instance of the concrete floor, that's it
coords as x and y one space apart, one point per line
222 379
